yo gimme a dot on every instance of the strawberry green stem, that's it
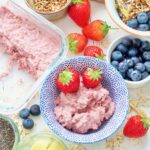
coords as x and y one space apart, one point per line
72 44
94 74
65 77
76 1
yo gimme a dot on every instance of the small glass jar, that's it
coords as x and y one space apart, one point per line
15 129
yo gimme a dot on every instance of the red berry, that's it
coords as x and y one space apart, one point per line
77 42
92 77
94 51
96 30
136 127
68 81
79 11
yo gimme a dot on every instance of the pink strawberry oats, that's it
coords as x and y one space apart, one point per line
26 43
85 110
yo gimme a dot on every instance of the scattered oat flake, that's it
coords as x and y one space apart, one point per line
77 147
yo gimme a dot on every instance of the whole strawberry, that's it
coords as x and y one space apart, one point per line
96 30
76 42
136 127
79 11
92 77
94 51
68 81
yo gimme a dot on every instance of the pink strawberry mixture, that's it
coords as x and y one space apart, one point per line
26 43
84 110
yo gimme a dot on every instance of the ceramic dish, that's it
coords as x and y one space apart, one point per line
51 15
131 84
15 129
41 140
112 80
113 13
15 97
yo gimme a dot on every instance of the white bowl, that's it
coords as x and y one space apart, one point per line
130 84
113 13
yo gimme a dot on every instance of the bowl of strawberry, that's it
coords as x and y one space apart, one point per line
131 57
84 100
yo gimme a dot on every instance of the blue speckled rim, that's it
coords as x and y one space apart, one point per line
89 138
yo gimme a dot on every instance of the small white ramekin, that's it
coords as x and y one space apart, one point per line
113 13
130 84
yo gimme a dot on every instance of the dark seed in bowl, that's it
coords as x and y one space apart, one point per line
7 135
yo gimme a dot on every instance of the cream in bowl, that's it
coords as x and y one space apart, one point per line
131 57
131 16
51 9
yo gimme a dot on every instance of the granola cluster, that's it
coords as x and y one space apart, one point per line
129 9
48 5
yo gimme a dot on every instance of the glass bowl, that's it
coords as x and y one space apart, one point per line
15 129
41 139
14 98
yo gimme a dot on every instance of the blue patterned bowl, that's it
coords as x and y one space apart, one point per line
112 80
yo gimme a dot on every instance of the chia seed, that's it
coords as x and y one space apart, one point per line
7 135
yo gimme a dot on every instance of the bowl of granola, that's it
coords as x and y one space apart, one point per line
132 16
50 9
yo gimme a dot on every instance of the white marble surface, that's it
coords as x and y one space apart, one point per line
67 25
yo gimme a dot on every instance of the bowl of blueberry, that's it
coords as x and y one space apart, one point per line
131 57
133 16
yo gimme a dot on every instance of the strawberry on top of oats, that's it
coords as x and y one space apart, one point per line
92 77
68 81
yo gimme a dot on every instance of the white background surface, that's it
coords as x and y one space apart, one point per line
67 25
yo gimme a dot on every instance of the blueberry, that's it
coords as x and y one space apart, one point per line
132 52
136 75
146 56
129 72
35 110
145 75
117 55
130 63
135 60
115 64
24 113
142 17
140 67
133 23
126 42
122 48
140 59
145 46
136 43
123 67
144 27
148 13
123 74
28 123
147 65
